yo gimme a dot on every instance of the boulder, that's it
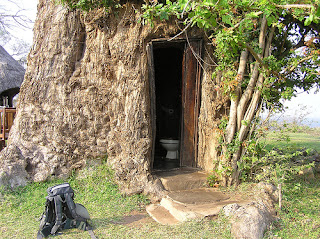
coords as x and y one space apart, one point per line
12 170
250 221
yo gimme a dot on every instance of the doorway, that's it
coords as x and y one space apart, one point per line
174 89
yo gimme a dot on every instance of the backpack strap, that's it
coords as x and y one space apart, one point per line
92 234
58 211
72 207
46 219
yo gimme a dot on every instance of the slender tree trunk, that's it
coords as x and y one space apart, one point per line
247 95
247 106
254 77
232 124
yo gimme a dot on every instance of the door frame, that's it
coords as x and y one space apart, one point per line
191 69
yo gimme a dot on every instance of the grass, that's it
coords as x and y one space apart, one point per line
95 189
294 140
300 215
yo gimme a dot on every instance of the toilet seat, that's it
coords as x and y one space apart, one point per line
169 141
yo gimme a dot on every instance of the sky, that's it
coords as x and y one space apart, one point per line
25 8
307 104
304 103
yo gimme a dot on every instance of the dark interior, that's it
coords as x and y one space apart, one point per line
168 78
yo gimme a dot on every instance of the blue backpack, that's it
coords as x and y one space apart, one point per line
62 213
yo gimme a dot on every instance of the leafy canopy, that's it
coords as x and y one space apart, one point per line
234 25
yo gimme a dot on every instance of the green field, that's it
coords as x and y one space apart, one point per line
294 140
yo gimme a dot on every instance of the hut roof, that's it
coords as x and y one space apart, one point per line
11 72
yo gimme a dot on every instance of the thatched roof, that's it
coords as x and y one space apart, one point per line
11 72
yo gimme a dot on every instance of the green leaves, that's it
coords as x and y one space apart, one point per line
158 11
87 5
227 19
318 12
309 20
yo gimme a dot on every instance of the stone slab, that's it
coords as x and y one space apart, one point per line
188 197
198 196
179 210
197 203
161 215
182 179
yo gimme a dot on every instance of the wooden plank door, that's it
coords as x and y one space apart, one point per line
190 104
152 89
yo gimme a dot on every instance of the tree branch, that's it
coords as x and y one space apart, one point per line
262 35
238 24
288 70
256 95
180 33
255 55
247 94
301 6
269 41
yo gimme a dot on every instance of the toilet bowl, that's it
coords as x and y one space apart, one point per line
172 147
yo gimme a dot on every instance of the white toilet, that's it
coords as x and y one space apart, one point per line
172 147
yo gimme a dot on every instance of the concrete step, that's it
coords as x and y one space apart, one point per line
161 215
194 204
182 179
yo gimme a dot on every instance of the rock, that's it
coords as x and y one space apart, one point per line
182 179
307 173
230 209
13 168
250 221
161 215
266 194
270 191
